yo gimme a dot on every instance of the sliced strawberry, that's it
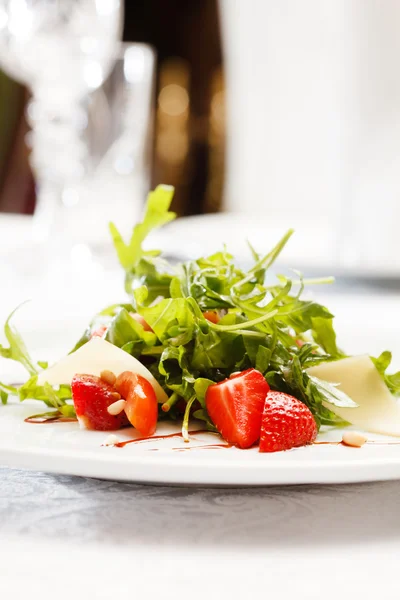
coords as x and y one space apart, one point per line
286 423
236 404
92 396
141 401
141 320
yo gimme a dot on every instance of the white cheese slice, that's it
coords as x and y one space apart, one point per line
378 411
94 357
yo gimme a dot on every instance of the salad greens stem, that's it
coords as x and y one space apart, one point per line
17 350
268 260
315 281
9 389
154 351
173 399
240 326
52 396
250 333
186 417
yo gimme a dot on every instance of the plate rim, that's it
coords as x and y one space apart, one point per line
202 472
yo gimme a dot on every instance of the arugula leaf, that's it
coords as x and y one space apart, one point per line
68 410
202 415
152 273
325 335
174 368
171 319
51 397
156 215
300 314
382 363
208 281
330 393
104 318
263 359
17 350
313 392
5 391
124 330
9 389
258 271
201 386
213 350
85 337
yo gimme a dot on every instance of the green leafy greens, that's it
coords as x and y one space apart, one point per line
262 321
18 352
261 324
382 363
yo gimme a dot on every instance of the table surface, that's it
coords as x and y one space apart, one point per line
69 537
64 537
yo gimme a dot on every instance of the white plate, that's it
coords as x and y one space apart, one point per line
64 448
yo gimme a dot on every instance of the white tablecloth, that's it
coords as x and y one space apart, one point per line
68 537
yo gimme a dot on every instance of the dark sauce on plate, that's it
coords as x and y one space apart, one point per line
38 420
159 437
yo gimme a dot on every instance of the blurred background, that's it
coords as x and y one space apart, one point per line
276 114
189 130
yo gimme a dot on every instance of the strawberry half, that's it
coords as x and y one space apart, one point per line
92 396
236 405
286 423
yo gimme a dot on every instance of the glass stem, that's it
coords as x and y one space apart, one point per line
58 158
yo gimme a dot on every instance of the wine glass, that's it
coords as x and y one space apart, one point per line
63 50
119 140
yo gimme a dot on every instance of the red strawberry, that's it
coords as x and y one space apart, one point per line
235 405
286 423
92 396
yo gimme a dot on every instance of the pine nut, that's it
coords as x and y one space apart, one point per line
116 407
111 440
116 395
353 438
108 377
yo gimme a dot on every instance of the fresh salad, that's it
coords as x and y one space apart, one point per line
241 351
